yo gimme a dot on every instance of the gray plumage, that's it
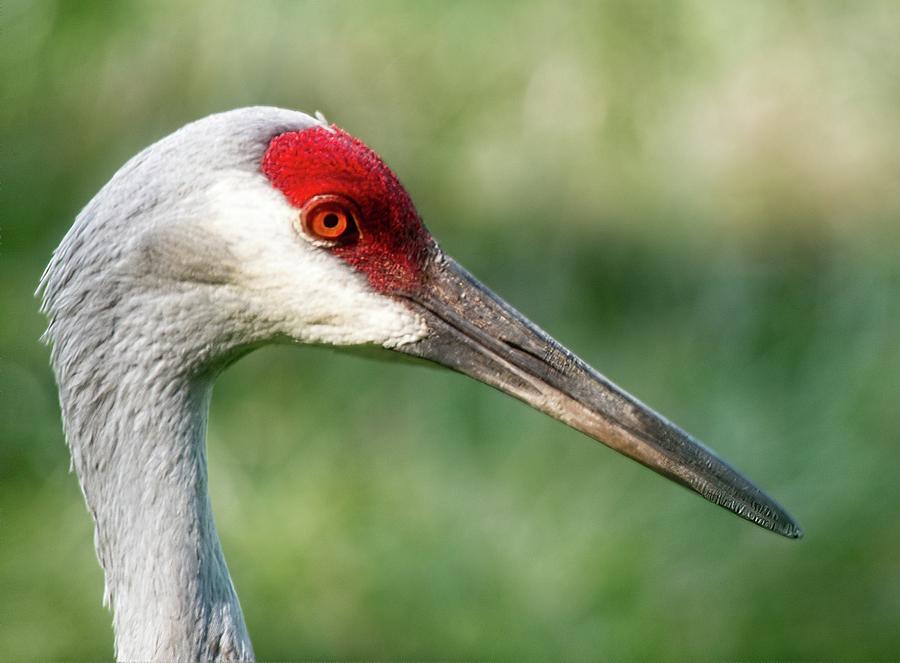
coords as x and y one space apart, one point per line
140 319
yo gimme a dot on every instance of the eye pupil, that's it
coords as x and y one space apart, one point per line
331 220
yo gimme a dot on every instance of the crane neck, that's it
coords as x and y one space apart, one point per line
140 454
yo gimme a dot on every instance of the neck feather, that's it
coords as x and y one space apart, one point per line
138 445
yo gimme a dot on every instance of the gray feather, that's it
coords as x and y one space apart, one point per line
137 324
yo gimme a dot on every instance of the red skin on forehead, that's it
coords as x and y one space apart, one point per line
393 245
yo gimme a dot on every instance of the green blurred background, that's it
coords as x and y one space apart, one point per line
700 198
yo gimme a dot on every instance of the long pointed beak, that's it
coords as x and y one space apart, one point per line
473 331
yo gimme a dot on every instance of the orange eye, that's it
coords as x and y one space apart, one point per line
330 218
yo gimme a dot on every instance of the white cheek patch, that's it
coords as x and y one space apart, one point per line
294 287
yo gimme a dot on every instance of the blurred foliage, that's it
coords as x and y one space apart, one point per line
701 198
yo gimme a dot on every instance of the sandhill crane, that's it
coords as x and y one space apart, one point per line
264 225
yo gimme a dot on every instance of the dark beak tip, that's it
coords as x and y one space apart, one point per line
783 525
794 531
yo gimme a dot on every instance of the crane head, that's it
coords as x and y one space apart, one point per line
294 230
